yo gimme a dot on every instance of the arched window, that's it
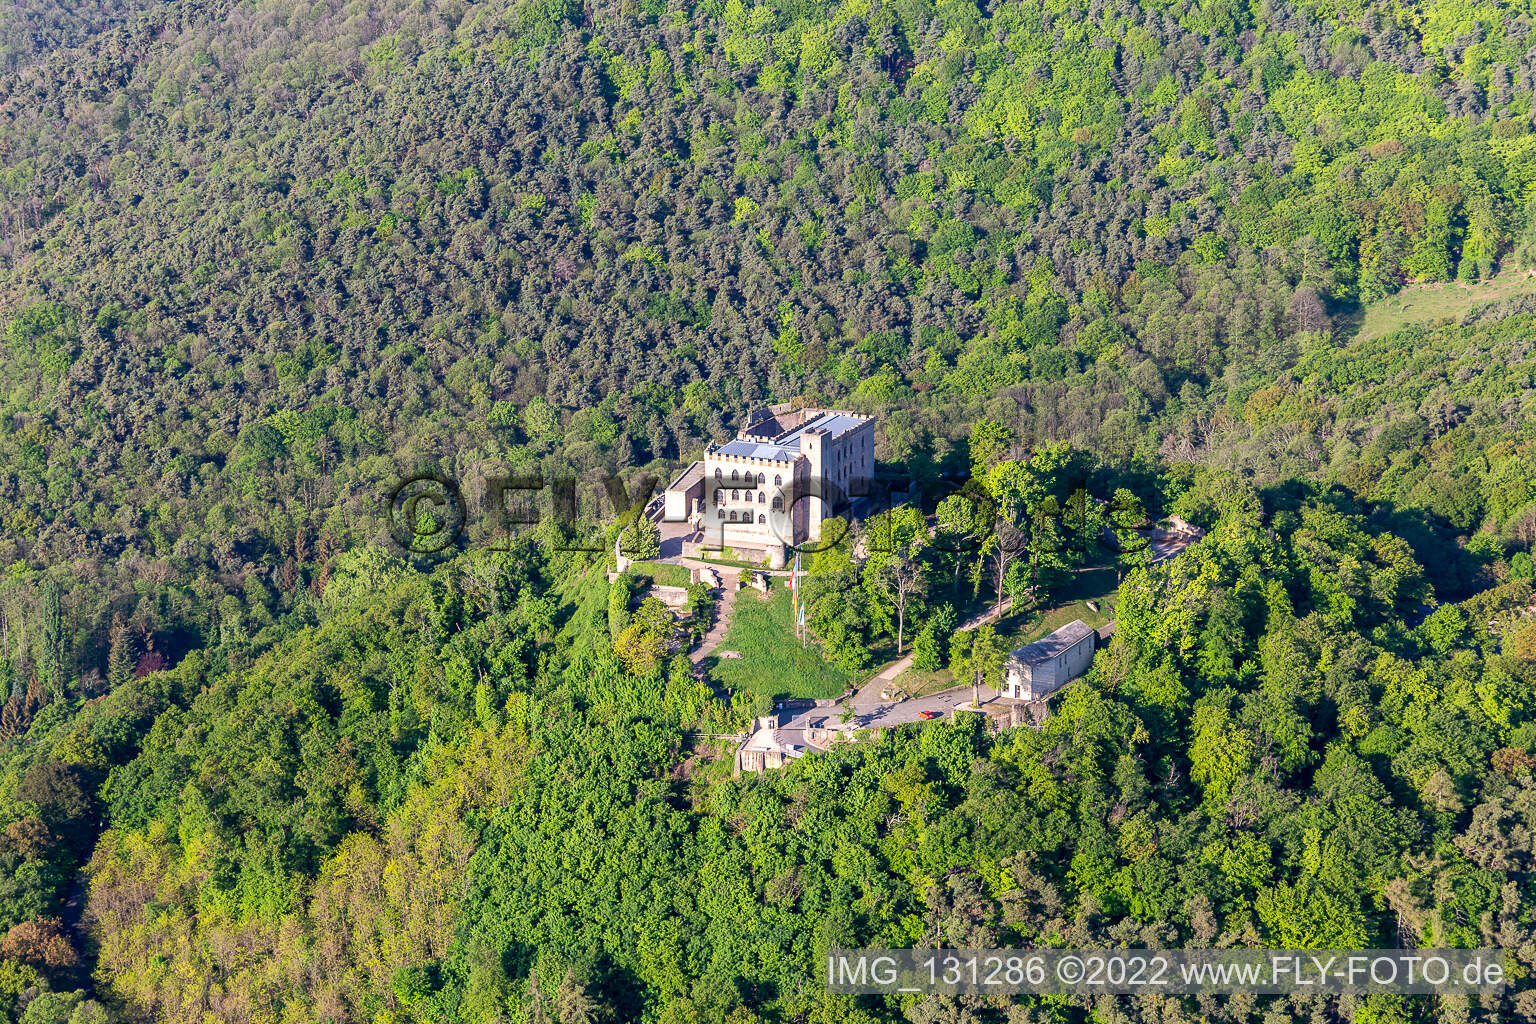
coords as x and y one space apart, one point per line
733 517
761 519
735 476
778 481
719 513
761 497
718 475
719 495
778 503
735 495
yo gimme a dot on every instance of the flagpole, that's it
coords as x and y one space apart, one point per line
797 607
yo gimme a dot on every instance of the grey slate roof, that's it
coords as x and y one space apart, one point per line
1046 648
835 423
786 447
743 448
688 477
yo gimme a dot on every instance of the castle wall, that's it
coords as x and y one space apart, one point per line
850 461
744 530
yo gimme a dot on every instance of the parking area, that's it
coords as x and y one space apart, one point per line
880 714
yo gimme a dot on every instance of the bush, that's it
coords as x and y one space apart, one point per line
927 650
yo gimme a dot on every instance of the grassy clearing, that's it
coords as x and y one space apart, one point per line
664 573
771 661
1095 583
1070 602
1428 303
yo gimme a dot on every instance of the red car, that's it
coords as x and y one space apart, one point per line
927 714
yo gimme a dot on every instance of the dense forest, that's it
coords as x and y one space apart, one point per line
261 260
444 796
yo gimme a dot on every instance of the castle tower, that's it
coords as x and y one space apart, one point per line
813 448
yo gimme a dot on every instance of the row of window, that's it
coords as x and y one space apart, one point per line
746 517
762 497
760 479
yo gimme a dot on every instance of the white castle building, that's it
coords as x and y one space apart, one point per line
773 485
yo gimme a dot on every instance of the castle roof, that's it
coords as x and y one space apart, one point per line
688 477
743 448
786 446
828 422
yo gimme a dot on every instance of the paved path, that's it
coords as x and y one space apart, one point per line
74 914
868 695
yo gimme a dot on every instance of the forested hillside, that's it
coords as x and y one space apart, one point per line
451 801
260 260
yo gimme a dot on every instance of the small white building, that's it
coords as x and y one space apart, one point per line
768 747
1040 669
685 495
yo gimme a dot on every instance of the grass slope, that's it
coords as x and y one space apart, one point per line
771 661
1431 303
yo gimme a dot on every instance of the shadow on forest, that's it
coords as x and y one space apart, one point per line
1452 572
